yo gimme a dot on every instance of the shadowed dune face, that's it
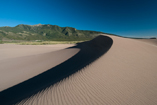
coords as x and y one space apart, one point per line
125 75
89 52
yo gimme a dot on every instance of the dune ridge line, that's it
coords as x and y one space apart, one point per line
89 52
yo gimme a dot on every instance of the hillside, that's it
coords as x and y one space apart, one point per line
44 32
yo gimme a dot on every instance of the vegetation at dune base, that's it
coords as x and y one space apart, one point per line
40 42
44 34
1 42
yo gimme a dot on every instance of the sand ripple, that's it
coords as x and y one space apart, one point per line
126 75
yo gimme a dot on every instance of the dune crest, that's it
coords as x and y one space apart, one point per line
125 75
89 52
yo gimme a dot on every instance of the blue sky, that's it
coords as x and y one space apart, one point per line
135 18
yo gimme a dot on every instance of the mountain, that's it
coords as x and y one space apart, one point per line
44 32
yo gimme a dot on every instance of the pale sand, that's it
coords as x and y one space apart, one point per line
125 75
8 51
150 41
21 62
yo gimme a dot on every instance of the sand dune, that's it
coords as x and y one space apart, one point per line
150 41
125 74
22 68
8 51
21 62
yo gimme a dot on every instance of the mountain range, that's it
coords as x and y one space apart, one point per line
44 33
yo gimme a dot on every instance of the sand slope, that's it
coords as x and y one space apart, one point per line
125 75
8 51
150 41
19 63
89 52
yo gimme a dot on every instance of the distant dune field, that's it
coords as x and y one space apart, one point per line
108 70
151 41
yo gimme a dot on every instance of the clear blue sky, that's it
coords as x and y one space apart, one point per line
136 18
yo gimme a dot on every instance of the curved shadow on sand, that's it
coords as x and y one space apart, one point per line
89 52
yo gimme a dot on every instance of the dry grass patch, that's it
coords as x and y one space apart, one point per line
48 42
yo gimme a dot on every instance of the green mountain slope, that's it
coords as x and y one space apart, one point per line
44 32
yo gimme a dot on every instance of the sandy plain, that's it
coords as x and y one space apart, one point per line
125 74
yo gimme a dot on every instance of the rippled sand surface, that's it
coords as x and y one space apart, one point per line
125 75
